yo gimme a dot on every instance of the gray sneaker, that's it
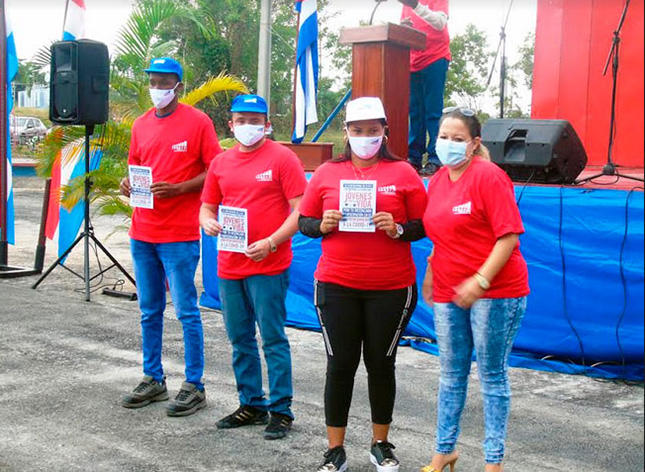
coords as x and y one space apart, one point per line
148 391
188 401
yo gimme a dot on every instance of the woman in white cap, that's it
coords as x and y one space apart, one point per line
367 206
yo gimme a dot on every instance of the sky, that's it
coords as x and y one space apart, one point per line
37 23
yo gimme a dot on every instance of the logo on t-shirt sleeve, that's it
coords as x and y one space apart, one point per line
180 147
465 209
265 176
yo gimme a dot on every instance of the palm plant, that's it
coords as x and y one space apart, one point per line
136 44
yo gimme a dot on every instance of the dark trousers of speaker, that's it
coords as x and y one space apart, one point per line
80 78
537 151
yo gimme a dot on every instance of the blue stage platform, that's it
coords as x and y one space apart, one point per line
584 248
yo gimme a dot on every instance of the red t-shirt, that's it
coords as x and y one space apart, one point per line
178 148
437 42
464 220
367 261
263 182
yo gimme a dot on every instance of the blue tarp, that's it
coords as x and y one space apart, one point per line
584 249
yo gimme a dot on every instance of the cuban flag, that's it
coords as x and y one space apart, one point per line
306 69
12 70
74 20
63 224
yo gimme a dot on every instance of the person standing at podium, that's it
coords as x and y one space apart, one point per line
366 206
429 69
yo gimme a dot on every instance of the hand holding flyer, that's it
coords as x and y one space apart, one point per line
358 205
140 183
235 229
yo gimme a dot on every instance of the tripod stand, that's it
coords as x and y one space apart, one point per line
610 169
86 235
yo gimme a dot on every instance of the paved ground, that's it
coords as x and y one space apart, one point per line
64 364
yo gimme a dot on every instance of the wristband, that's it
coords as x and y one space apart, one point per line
483 282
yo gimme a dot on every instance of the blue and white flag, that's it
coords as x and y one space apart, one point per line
12 70
306 69
74 27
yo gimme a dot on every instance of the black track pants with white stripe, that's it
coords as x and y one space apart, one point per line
371 322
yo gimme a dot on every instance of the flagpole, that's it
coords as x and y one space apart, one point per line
264 53
295 77
65 18
4 191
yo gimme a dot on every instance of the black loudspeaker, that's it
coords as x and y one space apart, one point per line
80 78
539 151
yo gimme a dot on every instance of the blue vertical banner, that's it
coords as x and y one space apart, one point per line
12 70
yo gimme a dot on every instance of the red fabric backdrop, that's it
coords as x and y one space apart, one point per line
573 40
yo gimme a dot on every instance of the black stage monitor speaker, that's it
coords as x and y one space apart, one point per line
80 78
539 151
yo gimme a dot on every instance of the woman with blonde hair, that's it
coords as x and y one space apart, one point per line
477 280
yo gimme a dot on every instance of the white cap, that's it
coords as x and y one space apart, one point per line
365 108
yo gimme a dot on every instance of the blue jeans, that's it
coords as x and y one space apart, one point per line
177 263
426 108
260 300
490 327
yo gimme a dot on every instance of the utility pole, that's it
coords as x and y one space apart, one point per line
264 53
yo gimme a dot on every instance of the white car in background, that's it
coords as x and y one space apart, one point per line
26 129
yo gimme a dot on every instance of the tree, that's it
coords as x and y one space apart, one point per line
29 74
526 63
468 73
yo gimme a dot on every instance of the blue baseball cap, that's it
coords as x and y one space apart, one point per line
249 104
165 65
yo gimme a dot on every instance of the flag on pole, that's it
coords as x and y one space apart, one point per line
306 77
63 224
12 70
74 27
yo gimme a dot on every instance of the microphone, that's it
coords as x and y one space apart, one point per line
378 4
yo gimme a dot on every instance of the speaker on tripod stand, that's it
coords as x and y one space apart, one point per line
79 95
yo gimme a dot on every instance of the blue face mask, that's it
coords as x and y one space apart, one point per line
452 153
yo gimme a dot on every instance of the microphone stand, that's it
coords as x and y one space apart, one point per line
501 46
610 169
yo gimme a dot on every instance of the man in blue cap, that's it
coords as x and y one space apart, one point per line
264 181
175 143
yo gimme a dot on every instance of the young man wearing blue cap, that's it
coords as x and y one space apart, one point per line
266 181
176 143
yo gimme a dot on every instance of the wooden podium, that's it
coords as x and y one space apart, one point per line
381 68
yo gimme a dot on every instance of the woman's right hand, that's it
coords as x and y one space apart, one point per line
330 221
428 287
211 227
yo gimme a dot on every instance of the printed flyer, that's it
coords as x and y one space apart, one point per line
140 183
235 232
358 205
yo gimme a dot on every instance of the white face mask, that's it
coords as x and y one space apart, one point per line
162 98
249 135
366 148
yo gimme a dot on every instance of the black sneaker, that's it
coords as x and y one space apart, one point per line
279 427
244 416
188 401
148 391
417 167
430 169
335 460
382 456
